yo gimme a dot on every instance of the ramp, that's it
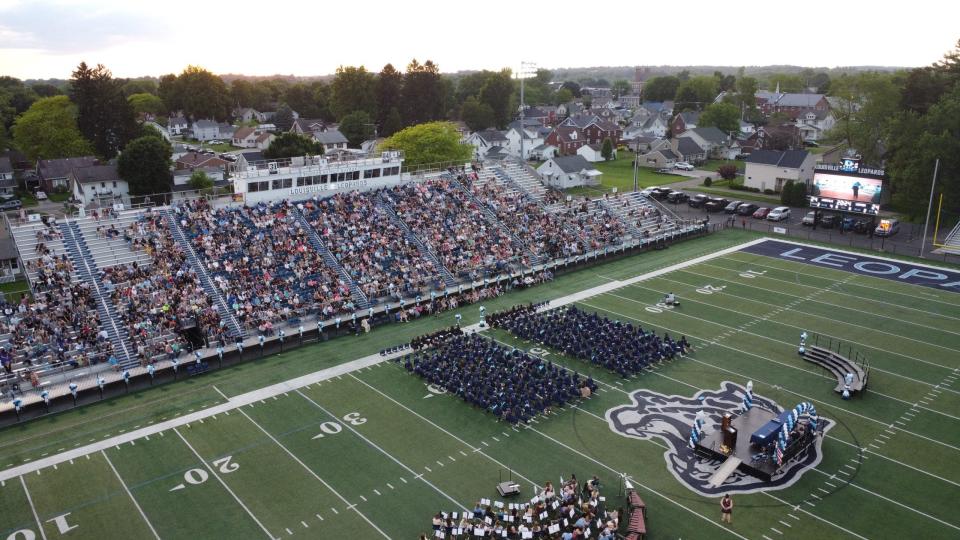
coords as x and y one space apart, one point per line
724 471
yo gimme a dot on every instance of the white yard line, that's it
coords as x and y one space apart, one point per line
224 484
125 488
33 508
304 465
382 451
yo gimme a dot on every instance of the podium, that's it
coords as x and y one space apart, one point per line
506 489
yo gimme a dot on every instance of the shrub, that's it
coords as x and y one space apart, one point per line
769 191
708 181
727 172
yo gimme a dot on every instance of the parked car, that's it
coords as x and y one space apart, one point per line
683 166
697 200
761 213
646 192
747 209
779 213
863 226
41 196
215 141
829 221
887 227
809 219
847 223
732 207
676 197
660 193
12 204
715 204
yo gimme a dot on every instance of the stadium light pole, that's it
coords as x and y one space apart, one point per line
926 224
524 66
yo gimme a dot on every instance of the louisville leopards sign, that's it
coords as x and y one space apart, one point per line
904 272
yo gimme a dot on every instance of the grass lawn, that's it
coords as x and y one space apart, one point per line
14 290
715 164
619 174
58 197
376 452
215 147
742 195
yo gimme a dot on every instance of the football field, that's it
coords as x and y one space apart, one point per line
334 441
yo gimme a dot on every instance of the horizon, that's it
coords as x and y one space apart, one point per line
46 39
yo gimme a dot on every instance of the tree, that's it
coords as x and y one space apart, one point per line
922 89
537 88
48 130
661 88
139 86
200 180
476 115
727 172
146 104
430 143
573 87
353 89
562 95
787 82
867 102
793 194
292 145
422 93
606 149
357 127
695 94
45 90
497 93
303 99
145 165
621 87
104 115
283 118
389 88
725 83
745 98
723 116
392 124
198 93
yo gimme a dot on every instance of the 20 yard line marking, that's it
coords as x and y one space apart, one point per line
224 484
304 465
125 488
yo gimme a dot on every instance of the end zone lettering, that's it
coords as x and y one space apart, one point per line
940 278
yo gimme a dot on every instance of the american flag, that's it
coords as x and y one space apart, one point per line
779 455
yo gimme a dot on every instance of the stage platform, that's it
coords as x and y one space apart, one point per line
745 424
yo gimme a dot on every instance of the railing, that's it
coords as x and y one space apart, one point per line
385 203
359 298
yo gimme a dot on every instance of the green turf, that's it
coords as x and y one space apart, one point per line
375 453
619 173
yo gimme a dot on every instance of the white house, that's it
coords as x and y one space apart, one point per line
99 185
246 114
331 139
544 152
206 130
594 153
247 137
771 169
717 144
569 171
814 123
176 125
532 138
7 184
483 141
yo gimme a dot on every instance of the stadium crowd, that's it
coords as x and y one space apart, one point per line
512 385
454 228
620 347
155 301
370 246
574 511
262 261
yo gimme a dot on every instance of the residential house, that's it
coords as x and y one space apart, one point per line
567 140
653 126
689 150
538 114
662 157
777 137
206 130
195 160
684 121
99 184
565 110
814 123
543 152
307 126
568 171
610 115
330 139
594 152
246 114
54 173
9 260
771 169
795 104
247 137
225 132
181 180
532 138
595 129
247 160
643 144
717 144
177 125
483 141
746 128
7 183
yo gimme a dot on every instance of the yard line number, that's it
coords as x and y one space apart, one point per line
195 477
332 428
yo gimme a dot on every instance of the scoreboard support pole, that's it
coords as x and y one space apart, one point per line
926 224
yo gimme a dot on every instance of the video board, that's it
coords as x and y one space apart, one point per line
847 187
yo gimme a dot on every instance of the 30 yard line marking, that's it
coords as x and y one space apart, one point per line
125 488
382 451
33 508
224 484
304 465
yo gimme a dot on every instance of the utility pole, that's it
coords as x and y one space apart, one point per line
524 66
926 225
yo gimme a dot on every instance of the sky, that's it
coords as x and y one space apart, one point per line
47 38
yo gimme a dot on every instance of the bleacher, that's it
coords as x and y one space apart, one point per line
110 248
951 244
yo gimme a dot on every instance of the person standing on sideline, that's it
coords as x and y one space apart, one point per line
726 509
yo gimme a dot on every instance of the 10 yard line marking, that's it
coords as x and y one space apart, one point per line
33 508
125 488
224 484
304 465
